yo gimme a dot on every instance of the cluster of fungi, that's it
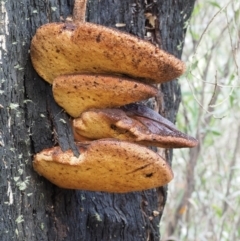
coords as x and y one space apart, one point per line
87 65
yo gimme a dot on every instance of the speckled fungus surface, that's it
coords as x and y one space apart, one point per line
77 93
63 48
92 66
104 165
144 127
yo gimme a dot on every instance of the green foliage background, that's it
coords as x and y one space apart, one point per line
204 198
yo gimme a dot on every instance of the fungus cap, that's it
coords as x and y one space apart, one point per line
104 165
77 93
134 123
66 48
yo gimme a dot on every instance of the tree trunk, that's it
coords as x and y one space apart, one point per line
31 207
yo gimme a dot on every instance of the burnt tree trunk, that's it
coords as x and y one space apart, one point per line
32 208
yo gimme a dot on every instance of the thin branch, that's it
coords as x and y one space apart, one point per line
231 41
233 162
208 25
79 11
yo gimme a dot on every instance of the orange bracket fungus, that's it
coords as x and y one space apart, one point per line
66 48
95 73
104 165
140 125
78 93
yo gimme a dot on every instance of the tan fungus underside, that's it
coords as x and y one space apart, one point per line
104 165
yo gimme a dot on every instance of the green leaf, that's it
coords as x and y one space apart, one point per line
216 133
217 210
215 4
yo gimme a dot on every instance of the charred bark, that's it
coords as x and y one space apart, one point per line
32 208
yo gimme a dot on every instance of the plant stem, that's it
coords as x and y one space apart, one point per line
79 11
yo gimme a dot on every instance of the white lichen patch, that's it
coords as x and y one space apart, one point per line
21 184
3 28
120 25
54 9
13 106
19 219
1 140
63 121
10 194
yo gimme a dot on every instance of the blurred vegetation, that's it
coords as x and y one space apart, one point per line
204 198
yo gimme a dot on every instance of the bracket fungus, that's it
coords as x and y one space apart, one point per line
135 123
78 93
91 68
104 165
66 48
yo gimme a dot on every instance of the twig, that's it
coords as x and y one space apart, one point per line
230 178
231 41
79 11
209 23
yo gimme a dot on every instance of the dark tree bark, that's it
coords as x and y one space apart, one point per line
32 208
